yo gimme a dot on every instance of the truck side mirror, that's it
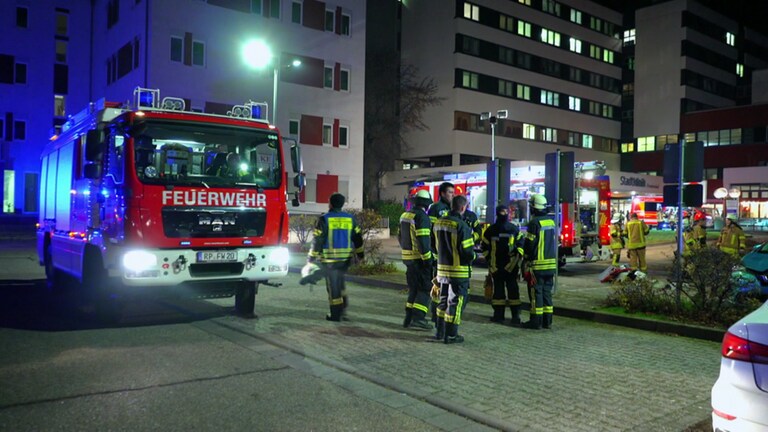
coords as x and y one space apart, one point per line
296 157
299 181
92 171
94 140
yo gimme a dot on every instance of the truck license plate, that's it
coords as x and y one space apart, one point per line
217 256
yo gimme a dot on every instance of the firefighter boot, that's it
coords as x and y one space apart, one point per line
440 329
515 321
498 314
547 321
335 314
408 317
451 334
534 323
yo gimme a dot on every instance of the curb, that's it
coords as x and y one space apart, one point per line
686 330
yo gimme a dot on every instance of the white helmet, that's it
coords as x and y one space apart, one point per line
422 194
538 201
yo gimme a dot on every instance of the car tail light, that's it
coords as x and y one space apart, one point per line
723 415
737 348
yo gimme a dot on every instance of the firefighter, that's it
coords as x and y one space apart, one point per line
690 243
416 246
455 254
732 239
617 241
635 232
337 239
502 251
540 250
474 224
699 232
439 209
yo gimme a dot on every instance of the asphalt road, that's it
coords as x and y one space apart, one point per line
179 364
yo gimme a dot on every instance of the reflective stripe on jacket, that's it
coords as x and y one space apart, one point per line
732 239
414 238
337 237
454 247
636 230
500 242
541 245
616 242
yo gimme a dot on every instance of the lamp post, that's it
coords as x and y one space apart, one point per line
492 173
258 55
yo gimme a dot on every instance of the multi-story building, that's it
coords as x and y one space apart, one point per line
554 66
693 81
194 50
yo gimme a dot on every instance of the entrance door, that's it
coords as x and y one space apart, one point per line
8 188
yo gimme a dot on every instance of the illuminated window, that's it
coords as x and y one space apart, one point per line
523 92
596 23
529 131
59 106
645 144
574 103
740 69
549 134
469 80
594 51
550 98
607 111
586 141
574 45
629 37
525 2
550 37
608 56
523 28
471 12
575 16
730 38
627 147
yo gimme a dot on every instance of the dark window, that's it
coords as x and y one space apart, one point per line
6 68
198 53
177 48
296 12
19 130
346 22
20 73
124 60
329 17
256 6
113 12
135 53
61 79
22 17
2 129
274 8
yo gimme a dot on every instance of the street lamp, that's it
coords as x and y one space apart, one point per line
258 55
492 173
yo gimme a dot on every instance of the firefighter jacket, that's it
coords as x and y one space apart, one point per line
540 245
690 243
617 242
438 210
732 239
700 235
337 237
501 244
454 247
470 218
635 231
415 229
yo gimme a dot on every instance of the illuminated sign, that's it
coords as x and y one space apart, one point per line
209 198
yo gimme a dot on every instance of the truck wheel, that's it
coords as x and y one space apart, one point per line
98 291
55 279
245 299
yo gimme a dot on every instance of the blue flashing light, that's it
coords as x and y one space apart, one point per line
247 242
146 98
86 192
105 193
256 112
185 243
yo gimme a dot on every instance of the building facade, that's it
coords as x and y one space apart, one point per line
193 49
553 66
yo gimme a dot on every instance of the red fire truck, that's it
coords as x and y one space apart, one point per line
154 196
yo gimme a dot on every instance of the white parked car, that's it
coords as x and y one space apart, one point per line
740 395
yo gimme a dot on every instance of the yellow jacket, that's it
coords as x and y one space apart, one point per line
636 230
732 240
616 242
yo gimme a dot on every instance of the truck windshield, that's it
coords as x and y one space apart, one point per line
192 154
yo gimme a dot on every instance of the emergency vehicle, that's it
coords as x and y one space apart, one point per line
153 196
649 209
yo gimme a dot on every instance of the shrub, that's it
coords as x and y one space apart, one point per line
641 295
369 222
302 226
392 210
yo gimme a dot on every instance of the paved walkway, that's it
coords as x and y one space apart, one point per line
580 376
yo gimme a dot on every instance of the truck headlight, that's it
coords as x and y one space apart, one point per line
279 257
138 260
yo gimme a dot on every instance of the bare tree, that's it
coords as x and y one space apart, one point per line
396 99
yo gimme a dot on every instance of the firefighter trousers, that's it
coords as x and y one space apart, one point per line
616 253
419 278
337 293
506 292
541 300
453 299
637 259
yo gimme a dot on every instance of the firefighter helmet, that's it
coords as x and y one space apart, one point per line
538 201
423 195
732 217
698 216
311 274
